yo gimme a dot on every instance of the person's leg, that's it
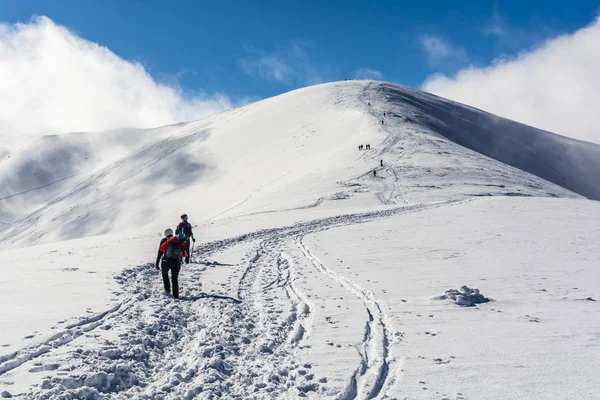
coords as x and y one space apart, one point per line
174 276
187 259
165 274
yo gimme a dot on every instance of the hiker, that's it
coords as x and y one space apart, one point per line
384 113
171 251
382 163
369 103
359 147
375 173
184 233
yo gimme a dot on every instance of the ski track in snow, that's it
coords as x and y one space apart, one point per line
371 376
207 345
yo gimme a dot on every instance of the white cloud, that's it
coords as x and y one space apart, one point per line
439 50
267 67
554 86
508 38
496 26
290 64
367 73
494 29
53 81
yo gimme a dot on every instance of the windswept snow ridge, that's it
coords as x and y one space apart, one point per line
570 163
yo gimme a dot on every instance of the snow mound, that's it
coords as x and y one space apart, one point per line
466 296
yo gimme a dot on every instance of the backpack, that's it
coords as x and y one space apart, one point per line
184 230
174 252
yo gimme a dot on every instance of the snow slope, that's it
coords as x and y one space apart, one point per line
312 276
345 307
294 150
570 163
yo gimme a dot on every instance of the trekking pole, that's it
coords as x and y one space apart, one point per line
192 252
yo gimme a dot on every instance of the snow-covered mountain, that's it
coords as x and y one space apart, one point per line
289 151
321 271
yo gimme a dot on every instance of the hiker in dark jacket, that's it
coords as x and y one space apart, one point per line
171 251
184 233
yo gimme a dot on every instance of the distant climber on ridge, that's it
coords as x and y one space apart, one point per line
184 233
171 251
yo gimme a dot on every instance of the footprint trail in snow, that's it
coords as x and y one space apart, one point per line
243 342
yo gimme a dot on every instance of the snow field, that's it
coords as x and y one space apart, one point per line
537 338
349 307
262 322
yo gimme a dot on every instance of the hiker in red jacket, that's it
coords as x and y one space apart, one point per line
172 251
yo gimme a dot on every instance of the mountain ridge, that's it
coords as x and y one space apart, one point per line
256 157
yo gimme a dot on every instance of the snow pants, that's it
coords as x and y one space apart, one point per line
174 266
189 249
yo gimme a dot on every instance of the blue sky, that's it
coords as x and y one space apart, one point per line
262 48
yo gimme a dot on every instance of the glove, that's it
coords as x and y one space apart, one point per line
156 266
194 240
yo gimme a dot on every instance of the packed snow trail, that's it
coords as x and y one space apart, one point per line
239 343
